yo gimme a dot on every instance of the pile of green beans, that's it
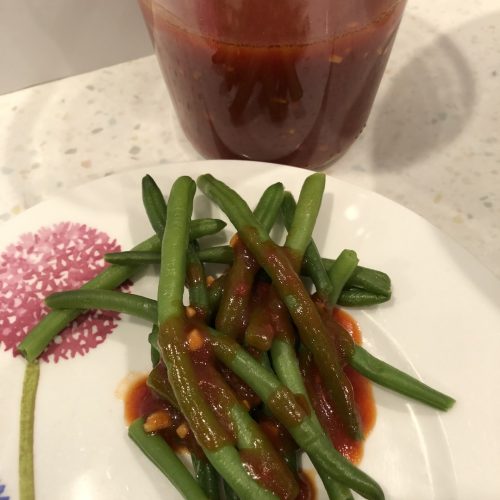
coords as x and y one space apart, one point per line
252 320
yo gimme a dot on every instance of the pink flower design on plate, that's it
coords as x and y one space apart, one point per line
61 257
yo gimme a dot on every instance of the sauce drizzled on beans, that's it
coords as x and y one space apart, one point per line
322 404
141 401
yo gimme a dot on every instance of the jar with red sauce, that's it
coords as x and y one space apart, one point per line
285 81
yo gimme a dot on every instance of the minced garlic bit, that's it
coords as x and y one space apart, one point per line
182 431
210 279
157 421
195 340
279 100
234 240
335 58
190 312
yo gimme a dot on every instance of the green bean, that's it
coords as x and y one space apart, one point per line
314 266
282 403
160 453
158 382
334 490
173 251
387 376
197 282
226 461
206 476
365 287
249 435
133 258
229 493
111 300
265 361
372 368
364 278
283 354
155 205
148 306
197 229
156 210
307 209
42 334
215 291
268 207
287 369
259 332
234 309
86 299
204 227
371 280
251 438
340 272
318 269
376 283
171 319
214 440
369 287
153 342
354 297
217 255
289 286
312 263
246 367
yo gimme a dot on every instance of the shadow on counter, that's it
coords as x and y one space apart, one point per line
448 89
433 96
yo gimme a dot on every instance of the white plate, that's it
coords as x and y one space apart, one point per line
442 325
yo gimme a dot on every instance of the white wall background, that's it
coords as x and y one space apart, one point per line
43 40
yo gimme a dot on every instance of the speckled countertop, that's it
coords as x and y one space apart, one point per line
432 142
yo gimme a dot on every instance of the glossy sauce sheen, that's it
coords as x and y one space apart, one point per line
140 401
288 101
307 485
312 330
363 397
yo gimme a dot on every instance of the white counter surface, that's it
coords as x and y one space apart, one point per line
432 142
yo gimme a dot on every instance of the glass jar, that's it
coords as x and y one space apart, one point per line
285 81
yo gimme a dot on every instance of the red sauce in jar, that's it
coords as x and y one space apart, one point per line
291 82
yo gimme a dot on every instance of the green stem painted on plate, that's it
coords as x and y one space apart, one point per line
27 420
